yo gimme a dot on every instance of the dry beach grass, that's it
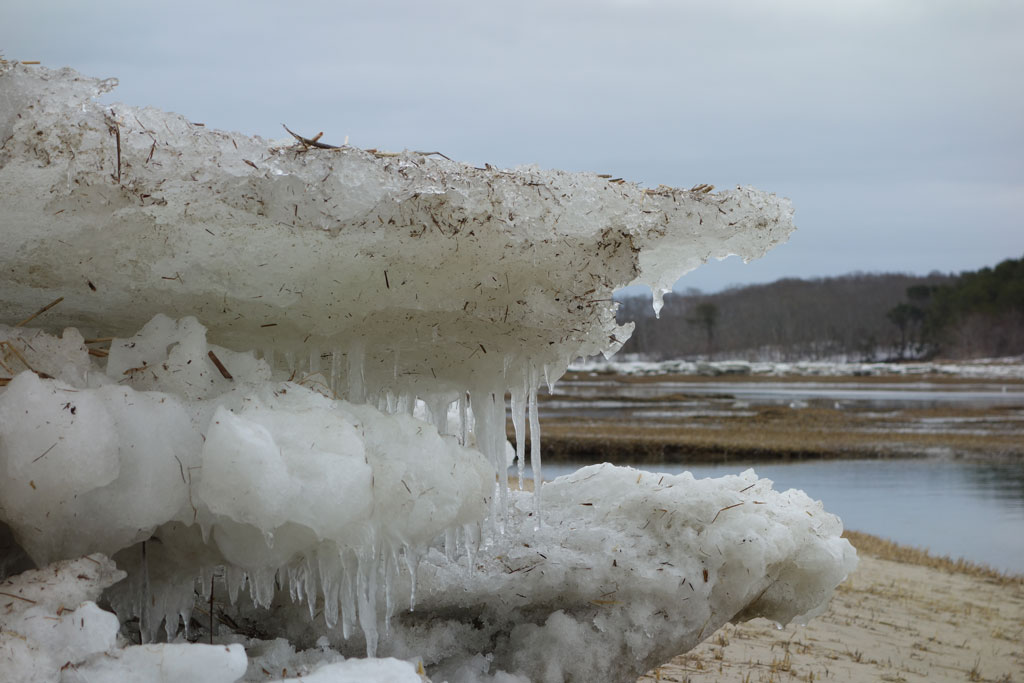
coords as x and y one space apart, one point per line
904 615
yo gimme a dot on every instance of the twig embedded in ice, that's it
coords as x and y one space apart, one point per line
12 595
42 310
310 142
22 358
46 451
220 366
115 129
727 507
427 154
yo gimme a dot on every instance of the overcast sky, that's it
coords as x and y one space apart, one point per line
896 128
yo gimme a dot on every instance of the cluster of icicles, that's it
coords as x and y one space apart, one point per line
349 579
477 422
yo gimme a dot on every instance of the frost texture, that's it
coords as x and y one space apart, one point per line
343 486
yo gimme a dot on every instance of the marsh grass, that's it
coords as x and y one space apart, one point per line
784 433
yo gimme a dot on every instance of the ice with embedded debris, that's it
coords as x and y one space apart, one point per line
287 481
299 496
50 617
350 483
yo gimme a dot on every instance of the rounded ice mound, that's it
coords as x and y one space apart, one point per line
267 466
262 477
629 569
51 619
289 455
90 470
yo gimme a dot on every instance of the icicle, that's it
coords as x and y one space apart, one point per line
145 615
301 581
366 596
312 590
437 411
331 605
314 361
329 566
519 424
658 299
206 575
471 533
549 377
535 467
205 527
463 419
261 586
356 369
294 591
234 577
185 618
390 570
335 370
348 595
450 551
489 417
412 560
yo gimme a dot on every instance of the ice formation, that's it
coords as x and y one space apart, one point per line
343 487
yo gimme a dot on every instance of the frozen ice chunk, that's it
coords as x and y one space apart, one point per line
65 357
64 583
70 635
387 670
90 470
628 569
163 663
303 463
49 618
391 281
438 271
173 356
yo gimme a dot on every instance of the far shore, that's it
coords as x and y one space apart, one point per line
752 377
903 615
735 431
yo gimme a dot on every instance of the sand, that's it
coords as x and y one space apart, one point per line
890 621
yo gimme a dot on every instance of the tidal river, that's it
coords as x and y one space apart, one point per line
971 508
963 509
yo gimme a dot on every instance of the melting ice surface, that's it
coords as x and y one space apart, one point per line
338 497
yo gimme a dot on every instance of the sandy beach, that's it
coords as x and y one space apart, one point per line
895 619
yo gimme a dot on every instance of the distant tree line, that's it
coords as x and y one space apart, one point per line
857 317
977 314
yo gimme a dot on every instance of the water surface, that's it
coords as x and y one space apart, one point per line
961 509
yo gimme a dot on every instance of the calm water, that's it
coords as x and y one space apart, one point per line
961 509
899 396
